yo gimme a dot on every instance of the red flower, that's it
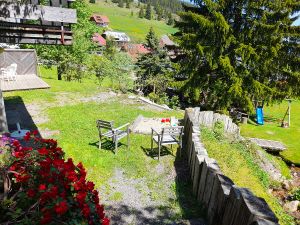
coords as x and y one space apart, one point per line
42 187
105 221
90 185
100 211
16 143
86 210
19 154
47 218
81 197
30 193
27 136
22 178
43 151
35 132
61 208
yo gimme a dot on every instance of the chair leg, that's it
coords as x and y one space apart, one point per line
100 144
151 144
128 141
116 145
159 147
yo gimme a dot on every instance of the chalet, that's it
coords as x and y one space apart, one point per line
120 38
100 20
166 42
135 50
99 40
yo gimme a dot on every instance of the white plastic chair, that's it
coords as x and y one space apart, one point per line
12 72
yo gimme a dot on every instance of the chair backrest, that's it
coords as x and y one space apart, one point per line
102 124
173 131
12 69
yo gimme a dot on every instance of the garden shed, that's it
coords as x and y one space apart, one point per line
27 72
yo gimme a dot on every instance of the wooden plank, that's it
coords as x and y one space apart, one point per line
21 40
15 11
23 82
268 144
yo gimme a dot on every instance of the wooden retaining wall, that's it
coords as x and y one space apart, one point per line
226 204
209 118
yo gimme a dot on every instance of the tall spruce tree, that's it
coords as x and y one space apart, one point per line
148 14
238 52
141 13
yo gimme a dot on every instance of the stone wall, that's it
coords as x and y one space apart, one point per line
226 204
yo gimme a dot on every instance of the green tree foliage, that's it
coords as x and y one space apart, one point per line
154 68
121 3
141 13
148 14
71 60
170 19
173 6
240 51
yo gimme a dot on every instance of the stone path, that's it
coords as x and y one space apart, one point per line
139 201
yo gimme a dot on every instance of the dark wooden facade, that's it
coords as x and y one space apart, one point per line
36 24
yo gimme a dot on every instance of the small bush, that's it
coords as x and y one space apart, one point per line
174 102
219 130
296 194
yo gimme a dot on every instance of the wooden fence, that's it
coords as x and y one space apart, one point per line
209 118
226 204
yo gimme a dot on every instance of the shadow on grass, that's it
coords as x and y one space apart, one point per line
153 153
16 112
191 209
106 145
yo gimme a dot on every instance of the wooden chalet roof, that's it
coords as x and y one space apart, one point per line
97 38
36 24
100 18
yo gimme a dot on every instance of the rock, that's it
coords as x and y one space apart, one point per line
286 185
291 206
131 97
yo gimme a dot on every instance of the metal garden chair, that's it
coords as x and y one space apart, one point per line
167 136
106 130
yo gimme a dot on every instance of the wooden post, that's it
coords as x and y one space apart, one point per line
289 112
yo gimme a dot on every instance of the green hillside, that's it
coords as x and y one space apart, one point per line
122 20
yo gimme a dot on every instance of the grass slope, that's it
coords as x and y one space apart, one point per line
121 20
272 130
238 162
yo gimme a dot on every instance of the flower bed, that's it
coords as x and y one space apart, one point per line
37 186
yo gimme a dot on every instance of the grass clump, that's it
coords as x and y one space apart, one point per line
237 161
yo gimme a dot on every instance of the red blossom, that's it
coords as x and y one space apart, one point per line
86 211
43 151
42 187
81 197
16 143
35 132
90 185
27 136
100 211
105 221
61 208
31 193
47 218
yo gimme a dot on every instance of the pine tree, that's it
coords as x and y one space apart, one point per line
152 40
141 13
121 3
127 4
170 19
240 51
155 67
148 14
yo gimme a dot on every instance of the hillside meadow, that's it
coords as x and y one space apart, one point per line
122 20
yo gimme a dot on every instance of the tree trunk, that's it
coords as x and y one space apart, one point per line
59 73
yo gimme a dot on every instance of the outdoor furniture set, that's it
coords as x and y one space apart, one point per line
169 134
9 73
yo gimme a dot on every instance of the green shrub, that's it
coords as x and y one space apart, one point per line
219 130
174 102
296 194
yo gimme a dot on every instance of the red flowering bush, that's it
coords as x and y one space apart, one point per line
40 187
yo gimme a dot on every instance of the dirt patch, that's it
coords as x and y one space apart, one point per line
155 199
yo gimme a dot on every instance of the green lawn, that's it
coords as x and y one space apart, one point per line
121 20
78 136
271 129
237 161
